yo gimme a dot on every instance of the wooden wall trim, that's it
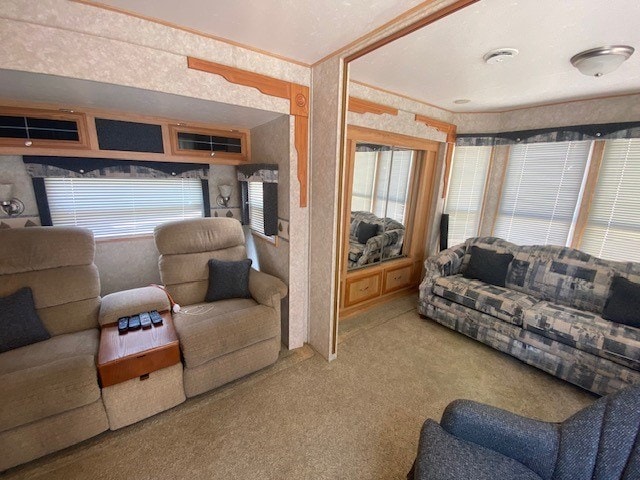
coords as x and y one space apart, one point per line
297 95
450 129
267 85
359 105
589 192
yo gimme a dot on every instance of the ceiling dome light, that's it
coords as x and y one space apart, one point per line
602 60
499 55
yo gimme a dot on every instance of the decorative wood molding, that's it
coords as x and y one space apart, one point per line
358 105
444 127
267 85
298 96
450 130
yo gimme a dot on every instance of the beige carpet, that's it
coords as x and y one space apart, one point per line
356 417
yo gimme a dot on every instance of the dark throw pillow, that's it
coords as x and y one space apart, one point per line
488 266
623 304
20 324
366 231
228 280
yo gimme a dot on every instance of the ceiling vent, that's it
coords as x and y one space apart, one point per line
499 55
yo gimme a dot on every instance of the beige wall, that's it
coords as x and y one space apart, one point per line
270 144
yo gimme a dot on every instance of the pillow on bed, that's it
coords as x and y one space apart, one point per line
488 266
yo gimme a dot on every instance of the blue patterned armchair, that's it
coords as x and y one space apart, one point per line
478 442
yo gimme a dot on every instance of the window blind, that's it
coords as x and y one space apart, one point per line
542 187
613 225
256 207
398 189
117 207
469 169
364 172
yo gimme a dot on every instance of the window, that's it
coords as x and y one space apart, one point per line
466 188
613 225
256 207
117 207
381 181
541 191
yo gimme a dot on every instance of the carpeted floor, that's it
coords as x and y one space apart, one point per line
356 417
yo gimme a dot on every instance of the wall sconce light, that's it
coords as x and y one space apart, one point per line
225 195
10 205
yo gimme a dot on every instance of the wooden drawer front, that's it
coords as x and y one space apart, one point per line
137 365
397 278
362 288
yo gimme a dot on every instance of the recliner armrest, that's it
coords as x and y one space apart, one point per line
130 302
264 287
531 442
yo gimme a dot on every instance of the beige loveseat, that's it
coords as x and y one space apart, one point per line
49 393
227 339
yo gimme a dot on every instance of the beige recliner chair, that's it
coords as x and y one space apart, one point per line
49 393
224 340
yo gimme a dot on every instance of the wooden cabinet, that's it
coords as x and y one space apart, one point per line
397 278
34 128
204 142
362 288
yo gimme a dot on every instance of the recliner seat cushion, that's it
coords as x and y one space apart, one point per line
503 303
48 389
210 330
585 331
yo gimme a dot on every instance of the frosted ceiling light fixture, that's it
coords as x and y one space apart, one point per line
499 55
602 60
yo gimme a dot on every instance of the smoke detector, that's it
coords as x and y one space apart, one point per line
499 55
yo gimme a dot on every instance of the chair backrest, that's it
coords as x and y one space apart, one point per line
186 246
602 441
57 263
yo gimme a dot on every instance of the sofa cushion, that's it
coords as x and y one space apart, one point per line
48 378
585 331
565 276
228 280
623 304
210 330
488 266
505 304
366 231
19 321
355 250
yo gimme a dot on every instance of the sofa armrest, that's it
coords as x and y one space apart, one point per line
130 302
266 289
531 442
447 262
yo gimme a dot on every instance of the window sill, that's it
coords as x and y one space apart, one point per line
273 240
128 238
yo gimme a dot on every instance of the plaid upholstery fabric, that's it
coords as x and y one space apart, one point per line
566 276
591 372
563 333
387 243
499 302
586 331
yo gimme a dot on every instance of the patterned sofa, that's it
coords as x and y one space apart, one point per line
388 240
547 315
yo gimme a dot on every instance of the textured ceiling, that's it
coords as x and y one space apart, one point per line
443 61
34 87
302 30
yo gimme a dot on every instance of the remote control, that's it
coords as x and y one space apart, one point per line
156 318
123 325
145 320
134 322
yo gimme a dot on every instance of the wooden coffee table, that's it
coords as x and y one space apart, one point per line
136 353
